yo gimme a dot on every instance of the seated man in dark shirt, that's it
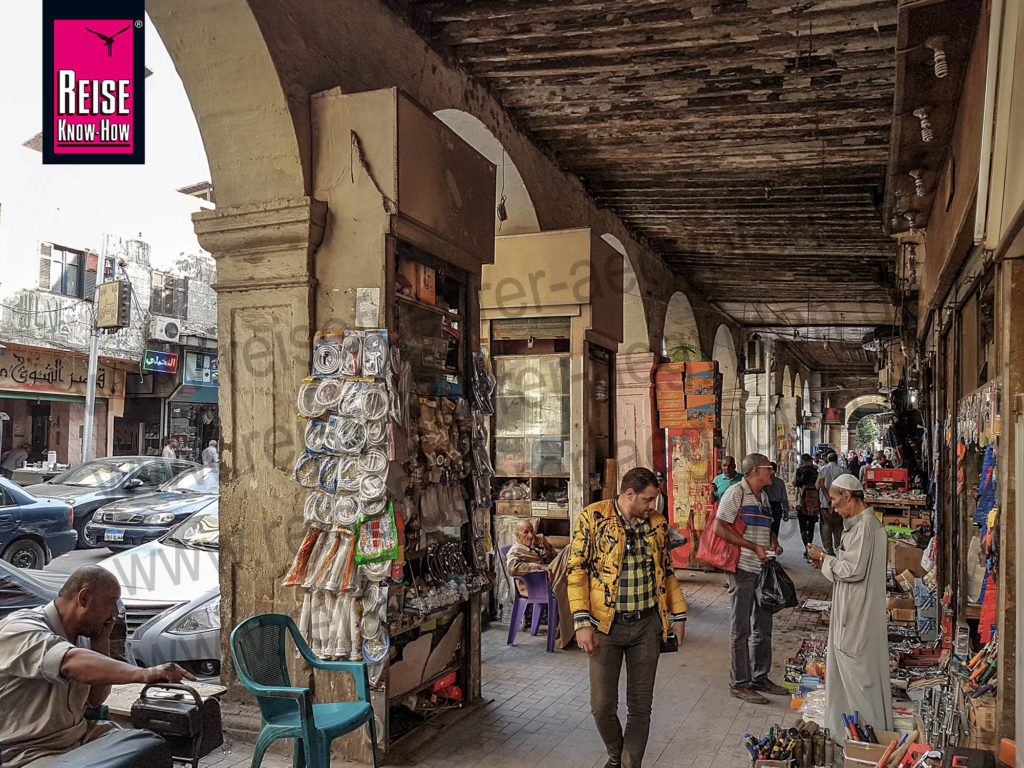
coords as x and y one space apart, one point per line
54 662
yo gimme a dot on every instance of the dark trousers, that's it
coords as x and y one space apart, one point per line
807 523
831 530
750 637
127 748
639 644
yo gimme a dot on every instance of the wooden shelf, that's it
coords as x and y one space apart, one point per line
408 300
528 475
426 683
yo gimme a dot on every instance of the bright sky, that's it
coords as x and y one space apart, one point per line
75 204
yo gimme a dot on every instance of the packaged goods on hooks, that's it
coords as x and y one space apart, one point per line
375 457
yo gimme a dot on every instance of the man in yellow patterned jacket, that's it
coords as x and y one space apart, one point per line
624 596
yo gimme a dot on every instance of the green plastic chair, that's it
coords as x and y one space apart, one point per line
258 648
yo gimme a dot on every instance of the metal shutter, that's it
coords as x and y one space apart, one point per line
45 249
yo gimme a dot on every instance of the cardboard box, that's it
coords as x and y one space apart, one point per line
666 368
917 522
516 508
702 370
694 385
408 277
701 401
903 616
905 581
981 719
557 510
906 557
705 415
669 386
859 754
671 400
539 508
900 604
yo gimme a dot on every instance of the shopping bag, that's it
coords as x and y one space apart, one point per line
716 551
775 590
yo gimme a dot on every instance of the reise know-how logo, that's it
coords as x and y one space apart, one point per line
93 82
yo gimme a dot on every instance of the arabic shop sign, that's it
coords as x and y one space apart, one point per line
160 362
51 372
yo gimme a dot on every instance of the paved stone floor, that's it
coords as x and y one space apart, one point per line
536 710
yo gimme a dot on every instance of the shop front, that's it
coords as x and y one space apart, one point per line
43 392
192 415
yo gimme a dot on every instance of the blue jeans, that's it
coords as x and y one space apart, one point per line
748 665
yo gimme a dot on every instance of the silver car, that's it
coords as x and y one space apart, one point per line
171 591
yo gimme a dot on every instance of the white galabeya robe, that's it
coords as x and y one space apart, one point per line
857 671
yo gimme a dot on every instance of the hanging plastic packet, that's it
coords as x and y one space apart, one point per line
373 461
481 490
352 353
351 402
316 434
346 509
375 572
297 572
327 357
349 475
375 402
346 436
328 393
371 507
482 458
307 403
372 487
377 432
318 510
375 353
328 479
340 577
316 575
307 469
377 538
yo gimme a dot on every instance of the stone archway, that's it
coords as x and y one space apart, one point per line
509 184
787 382
681 325
724 352
879 400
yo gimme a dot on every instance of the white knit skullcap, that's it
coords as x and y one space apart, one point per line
847 482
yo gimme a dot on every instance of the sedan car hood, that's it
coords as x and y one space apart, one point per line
51 491
163 501
157 572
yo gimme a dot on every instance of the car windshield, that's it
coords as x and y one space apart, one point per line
200 480
200 531
96 474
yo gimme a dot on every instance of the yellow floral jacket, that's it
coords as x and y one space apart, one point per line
595 561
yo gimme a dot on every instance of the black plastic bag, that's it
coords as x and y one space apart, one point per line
775 590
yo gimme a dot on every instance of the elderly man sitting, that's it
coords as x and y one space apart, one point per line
532 552
54 663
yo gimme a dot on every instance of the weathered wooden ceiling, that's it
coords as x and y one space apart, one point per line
746 140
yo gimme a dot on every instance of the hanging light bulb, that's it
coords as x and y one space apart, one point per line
938 46
919 189
927 134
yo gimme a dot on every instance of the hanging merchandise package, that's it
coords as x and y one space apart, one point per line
297 571
352 353
483 384
375 353
377 538
775 590
327 355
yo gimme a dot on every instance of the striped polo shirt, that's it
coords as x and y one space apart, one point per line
756 514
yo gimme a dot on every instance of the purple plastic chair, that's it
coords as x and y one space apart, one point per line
538 594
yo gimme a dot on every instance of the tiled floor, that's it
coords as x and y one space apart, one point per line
537 713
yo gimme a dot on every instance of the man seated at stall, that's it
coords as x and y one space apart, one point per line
54 663
531 553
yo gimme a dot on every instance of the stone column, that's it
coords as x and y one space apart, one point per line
264 291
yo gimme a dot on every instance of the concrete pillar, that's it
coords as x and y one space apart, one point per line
635 416
264 306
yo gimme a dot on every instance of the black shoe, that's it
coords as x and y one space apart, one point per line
613 763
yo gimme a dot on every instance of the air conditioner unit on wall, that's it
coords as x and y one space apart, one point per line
164 329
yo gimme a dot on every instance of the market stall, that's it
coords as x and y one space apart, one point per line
392 562
551 308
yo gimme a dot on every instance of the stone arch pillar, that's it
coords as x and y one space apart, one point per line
724 352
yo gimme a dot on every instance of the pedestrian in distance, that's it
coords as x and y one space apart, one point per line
750 637
624 598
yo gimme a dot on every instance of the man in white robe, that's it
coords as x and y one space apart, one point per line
857 670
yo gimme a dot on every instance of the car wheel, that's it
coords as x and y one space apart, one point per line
25 553
80 523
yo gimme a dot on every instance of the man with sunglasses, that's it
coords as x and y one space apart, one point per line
624 597
748 502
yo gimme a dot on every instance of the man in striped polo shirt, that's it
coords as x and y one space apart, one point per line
748 673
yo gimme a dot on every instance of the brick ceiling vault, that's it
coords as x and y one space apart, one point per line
745 140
